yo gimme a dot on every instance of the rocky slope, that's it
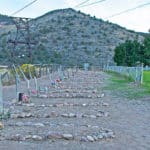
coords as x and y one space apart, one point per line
70 37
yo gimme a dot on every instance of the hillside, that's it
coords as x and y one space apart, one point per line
5 20
70 37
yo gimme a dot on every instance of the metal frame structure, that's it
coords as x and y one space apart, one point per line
22 36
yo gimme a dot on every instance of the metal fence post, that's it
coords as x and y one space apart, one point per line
1 97
142 74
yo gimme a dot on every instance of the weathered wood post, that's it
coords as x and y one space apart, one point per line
17 80
36 85
40 71
17 86
46 69
28 86
30 75
25 78
1 97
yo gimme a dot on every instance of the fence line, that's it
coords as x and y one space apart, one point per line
146 68
33 86
136 73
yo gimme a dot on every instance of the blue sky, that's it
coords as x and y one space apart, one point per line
138 20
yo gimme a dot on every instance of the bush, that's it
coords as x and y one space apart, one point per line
27 69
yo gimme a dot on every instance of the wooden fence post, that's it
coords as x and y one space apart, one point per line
17 84
36 85
40 70
1 97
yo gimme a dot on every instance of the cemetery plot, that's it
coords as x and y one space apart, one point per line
46 118
75 110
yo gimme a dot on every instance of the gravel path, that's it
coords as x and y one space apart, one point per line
80 115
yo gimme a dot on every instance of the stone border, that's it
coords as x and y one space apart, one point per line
63 104
94 137
54 114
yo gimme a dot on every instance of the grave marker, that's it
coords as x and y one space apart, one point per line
30 75
60 73
17 80
1 97
16 73
25 78
36 85
40 71
17 87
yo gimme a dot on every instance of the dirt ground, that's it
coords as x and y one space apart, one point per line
81 108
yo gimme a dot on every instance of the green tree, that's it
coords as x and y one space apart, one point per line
119 56
128 53
146 51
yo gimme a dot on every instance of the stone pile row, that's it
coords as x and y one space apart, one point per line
63 104
39 124
70 95
54 114
73 90
102 134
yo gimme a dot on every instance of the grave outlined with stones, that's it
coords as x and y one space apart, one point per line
72 97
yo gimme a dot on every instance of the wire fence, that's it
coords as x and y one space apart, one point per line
28 82
136 73
146 68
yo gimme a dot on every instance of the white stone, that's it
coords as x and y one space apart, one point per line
19 124
65 115
84 104
29 105
71 115
92 116
99 115
28 115
89 126
68 136
39 124
28 137
105 104
43 96
100 136
95 127
102 95
90 138
37 138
